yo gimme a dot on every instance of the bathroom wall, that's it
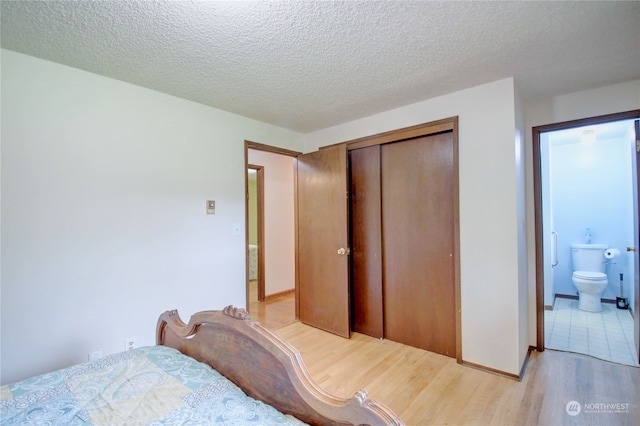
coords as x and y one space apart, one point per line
591 186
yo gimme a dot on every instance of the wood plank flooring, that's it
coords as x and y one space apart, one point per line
425 388
275 312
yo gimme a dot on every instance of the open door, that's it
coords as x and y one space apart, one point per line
323 249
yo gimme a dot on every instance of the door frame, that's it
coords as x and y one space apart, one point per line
275 150
449 124
260 225
537 195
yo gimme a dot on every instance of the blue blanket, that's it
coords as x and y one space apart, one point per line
150 385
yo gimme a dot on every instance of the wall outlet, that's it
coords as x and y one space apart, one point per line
129 343
94 355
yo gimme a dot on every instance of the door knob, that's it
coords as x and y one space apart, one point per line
342 251
631 249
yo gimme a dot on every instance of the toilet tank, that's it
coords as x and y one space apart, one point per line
588 257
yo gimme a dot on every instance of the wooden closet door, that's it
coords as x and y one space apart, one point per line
366 241
418 243
323 259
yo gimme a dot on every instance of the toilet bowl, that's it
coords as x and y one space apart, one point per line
590 286
589 276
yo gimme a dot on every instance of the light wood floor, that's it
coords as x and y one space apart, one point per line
425 388
275 312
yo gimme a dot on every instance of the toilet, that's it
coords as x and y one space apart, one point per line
589 276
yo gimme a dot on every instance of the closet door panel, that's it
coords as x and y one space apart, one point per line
418 242
366 241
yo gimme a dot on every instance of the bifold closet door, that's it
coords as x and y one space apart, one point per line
417 183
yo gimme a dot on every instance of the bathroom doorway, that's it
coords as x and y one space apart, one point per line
586 192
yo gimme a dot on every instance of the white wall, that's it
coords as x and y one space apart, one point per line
588 103
521 200
573 106
490 229
103 222
279 226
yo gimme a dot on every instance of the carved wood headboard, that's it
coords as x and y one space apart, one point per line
265 367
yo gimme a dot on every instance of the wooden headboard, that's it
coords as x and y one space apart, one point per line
265 367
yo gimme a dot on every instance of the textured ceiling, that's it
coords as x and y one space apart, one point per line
306 65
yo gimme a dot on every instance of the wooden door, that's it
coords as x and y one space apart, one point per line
366 241
323 250
418 242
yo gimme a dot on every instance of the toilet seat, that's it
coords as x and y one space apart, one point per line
589 275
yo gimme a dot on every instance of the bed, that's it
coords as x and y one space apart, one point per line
220 368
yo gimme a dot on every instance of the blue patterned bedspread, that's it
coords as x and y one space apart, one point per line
151 385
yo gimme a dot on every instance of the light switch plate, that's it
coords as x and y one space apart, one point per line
211 207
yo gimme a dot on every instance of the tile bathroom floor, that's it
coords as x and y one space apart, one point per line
607 335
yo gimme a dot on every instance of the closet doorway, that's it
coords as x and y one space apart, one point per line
388 265
402 211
